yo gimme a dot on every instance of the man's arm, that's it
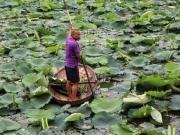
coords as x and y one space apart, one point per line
78 55
70 30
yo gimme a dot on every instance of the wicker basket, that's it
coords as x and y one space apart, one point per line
87 96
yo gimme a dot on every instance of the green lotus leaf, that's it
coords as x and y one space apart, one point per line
164 55
92 51
105 120
85 26
174 102
23 69
121 130
171 66
48 39
121 88
8 125
134 100
157 17
48 5
6 66
111 16
94 60
31 44
151 39
150 132
104 104
142 112
58 121
37 62
137 39
40 100
52 49
84 109
19 53
156 115
74 117
156 81
31 78
40 113
153 67
139 61
40 91
14 88
61 35
158 94
6 99
102 70
177 37
147 15
174 25
80 16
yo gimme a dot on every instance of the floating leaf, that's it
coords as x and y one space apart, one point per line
121 130
174 102
94 60
158 94
40 90
31 78
14 88
105 120
104 104
156 115
139 61
74 117
19 53
102 70
170 66
8 125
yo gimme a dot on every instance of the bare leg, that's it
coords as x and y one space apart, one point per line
74 90
68 88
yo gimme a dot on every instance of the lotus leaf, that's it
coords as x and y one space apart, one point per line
6 66
174 102
121 88
170 66
94 60
23 69
121 130
105 120
164 55
156 115
156 81
104 104
39 91
14 88
6 99
19 53
40 100
31 78
74 117
150 132
102 70
37 62
158 94
133 99
84 109
92 51
139 61
8 125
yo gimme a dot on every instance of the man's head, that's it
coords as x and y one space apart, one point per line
75 34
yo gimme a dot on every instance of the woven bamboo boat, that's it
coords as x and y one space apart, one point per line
62 99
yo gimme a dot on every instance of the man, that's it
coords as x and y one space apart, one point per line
73 53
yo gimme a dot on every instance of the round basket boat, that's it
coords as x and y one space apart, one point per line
83 97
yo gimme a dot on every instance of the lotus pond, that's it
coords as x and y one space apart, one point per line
132 46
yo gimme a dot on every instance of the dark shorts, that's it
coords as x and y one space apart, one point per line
72 74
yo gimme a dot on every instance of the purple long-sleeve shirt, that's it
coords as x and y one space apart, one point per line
72 48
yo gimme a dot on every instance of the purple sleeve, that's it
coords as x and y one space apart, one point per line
76 48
